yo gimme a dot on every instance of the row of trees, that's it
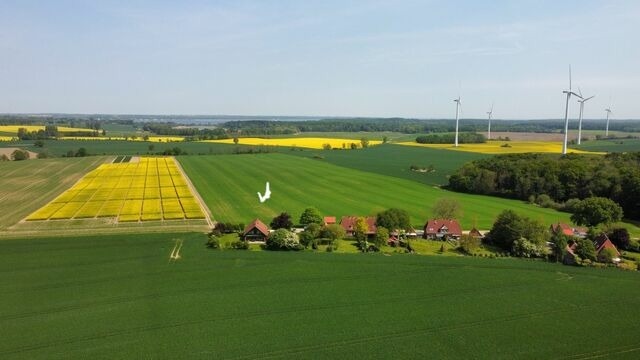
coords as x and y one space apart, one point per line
564 179
463 138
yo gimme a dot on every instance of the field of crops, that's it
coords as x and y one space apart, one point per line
617 145
303 142
25 186
13 129
148 189
502 147
228 184
160 139
396 160
119 297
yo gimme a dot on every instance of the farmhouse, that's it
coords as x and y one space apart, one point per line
348 223
475 233
256 231
601 243
562 228
442 229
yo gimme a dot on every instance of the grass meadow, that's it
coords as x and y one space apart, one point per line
121 297
617 145
228 185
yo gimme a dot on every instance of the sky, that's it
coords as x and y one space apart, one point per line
319 58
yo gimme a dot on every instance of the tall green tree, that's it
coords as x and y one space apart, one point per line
394 219
282 221
446 208
310 215
594 211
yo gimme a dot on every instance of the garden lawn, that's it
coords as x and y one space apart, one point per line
229 186
121 297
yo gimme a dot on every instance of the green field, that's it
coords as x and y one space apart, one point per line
25 186
618 145
228 185
120 297
122 147
395 160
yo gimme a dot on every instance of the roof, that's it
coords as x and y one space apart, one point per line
348 223
568 230
264 229
602 242
329 220
475 232
435 225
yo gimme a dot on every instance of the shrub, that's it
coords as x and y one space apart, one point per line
283 239
213 242
469 244
240 245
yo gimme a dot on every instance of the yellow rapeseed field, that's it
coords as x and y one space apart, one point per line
312 143
498 147
8 138
150 189
62 129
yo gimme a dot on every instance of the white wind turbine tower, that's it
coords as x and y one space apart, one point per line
608 110
457 101
582 101
490 112
566 114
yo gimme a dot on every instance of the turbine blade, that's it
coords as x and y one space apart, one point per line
579 91
569 77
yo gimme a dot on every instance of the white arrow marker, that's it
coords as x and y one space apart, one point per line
267 194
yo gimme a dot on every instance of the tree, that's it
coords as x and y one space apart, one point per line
145 137
236 140
526 248
282 221
506 230
560 242
385 139
382 236
594 211
38 143
364 142
447 208
43 155
394 219
360 233
82 152
309 235
585 249
332 232
4 157
607 255
469 244
620 238
19 155
151 147
283 239
310 216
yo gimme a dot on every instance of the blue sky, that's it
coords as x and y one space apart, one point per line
339 58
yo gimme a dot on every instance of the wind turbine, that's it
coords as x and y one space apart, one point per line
490 112
566 114
457 101
582 101
608 110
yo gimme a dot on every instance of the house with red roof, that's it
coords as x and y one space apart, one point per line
329 220
565 229
442 229
475 233
348 223
601 243
256 231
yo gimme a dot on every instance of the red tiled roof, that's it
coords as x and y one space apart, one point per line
602 242
568 230
348 223
433 226
328 220
475 232
258 225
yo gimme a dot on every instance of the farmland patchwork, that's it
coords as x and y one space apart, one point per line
148 189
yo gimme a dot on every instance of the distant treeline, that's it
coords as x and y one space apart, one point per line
463 138
88 123
527 176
